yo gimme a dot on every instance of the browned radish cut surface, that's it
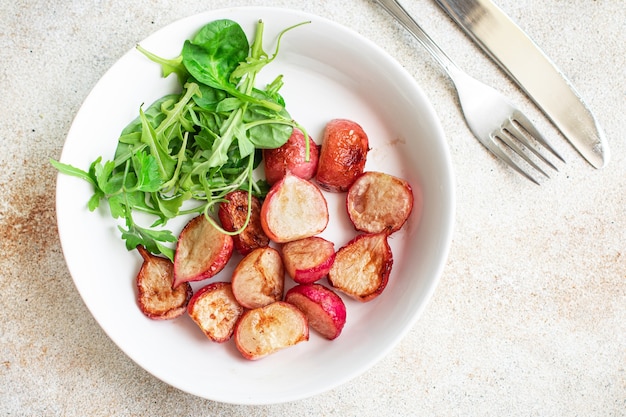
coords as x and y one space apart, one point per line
233 214
362 267
308 260
325 310
293 209
266 330
155 295
259 278
342 156
202 251
215 310
379 202
291 157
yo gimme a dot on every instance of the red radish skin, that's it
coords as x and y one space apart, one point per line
202 251
342 156
291 157
259 278
215 310
323 308
294 208
308 260
362 267
378 202
233 213
156 297
266 330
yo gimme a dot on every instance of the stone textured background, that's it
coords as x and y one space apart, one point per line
529 318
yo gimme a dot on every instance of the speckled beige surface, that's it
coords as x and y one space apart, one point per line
529 318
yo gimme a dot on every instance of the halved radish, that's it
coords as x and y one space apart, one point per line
379 202
201 252
155 295
293 209
308 260
324 310
259 278
215 310
265 330
342 156
362 267
233 213
291 157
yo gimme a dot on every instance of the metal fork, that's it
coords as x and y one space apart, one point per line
497 124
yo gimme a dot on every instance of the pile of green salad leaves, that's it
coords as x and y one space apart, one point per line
195 146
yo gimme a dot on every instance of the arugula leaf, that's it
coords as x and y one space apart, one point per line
168 66
135 235
165 162
148 178
73 171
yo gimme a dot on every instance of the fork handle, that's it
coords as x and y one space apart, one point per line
396 10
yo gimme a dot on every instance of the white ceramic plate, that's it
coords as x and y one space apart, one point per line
330 72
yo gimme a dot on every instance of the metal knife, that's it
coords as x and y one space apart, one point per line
534 72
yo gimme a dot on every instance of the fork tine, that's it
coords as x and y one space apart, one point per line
509 139
522 121
517 131
497 151
513 129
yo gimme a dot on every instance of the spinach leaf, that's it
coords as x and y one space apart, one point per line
214 53
209 97
267 130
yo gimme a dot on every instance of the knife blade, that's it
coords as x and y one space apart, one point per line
522 60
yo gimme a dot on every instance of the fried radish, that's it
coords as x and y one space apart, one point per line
293 209
259 278
324 309
266 330
202 251
291 157
215 310
308 260
379 202
342 156
155 295
362 267
233 214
